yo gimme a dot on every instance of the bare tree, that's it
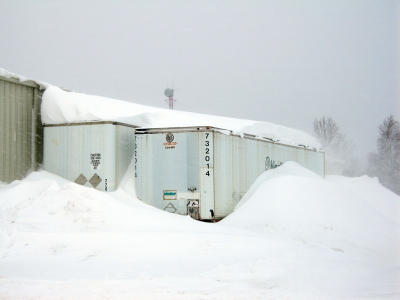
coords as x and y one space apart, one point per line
339 151
385 164
326 130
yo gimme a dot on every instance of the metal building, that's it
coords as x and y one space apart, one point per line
95 154
20 128
205 171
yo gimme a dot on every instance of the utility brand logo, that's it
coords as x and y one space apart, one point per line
170 144
169 137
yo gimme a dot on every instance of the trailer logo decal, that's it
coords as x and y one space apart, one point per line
169 194
170 208
170 144
169 137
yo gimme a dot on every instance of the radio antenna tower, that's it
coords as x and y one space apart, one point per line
170 94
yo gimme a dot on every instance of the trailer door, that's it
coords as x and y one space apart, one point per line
174 171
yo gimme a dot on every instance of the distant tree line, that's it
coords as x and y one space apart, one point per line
340 158
385 162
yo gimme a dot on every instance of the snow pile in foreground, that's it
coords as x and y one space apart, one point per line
59 107
294 236
350 214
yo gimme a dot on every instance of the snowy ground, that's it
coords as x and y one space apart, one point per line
294 236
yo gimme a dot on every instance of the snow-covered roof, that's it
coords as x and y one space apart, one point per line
8 74
60 107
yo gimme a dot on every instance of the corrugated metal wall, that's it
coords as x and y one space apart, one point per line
20 128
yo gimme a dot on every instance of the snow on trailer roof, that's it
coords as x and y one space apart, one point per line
61 107
141 130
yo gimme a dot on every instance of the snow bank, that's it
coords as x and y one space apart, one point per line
45 201
59 107
345 213
294 236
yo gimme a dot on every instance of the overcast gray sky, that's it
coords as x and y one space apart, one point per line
281 61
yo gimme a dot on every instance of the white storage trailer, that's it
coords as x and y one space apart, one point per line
200 171
205 171
95 154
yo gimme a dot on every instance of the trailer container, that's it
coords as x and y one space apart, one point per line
205 171
95 154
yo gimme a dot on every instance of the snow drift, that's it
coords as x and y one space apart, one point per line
294 236
346 213
59 106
